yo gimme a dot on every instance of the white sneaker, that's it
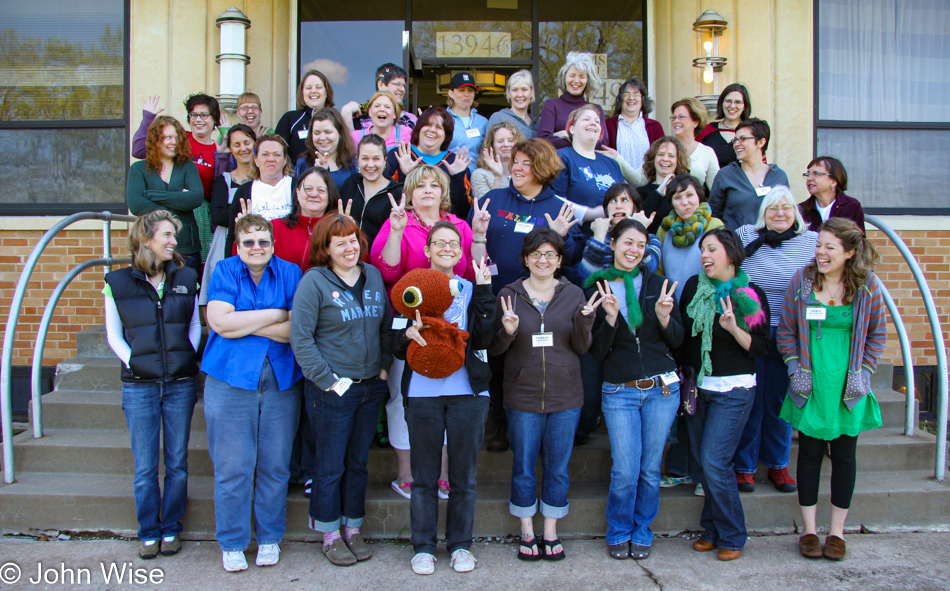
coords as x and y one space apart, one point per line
423 563
698 491
234 561
267 554
462 561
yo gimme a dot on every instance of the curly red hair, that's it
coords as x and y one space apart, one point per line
153 141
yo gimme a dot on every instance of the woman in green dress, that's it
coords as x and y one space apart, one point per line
831 336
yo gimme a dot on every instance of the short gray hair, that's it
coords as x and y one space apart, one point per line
582 62
519 76
774 197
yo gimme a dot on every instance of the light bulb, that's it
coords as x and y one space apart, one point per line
708 47
708 75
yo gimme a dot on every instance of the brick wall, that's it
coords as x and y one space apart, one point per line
81 304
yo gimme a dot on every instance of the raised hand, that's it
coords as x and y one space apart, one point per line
727 319
643 219
564 220
610 302
345 211
493 161
509 319
482 273
323 160
397 216
662 188
412 333
600 227
665 303
151 104
462 160
245 209
405 159
592 304
481 217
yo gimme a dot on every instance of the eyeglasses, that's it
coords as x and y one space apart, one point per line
548 255
631 95
311 191
202 116
741 138
246 108
784 209
443 243
252 243
737 103
815 174
675 117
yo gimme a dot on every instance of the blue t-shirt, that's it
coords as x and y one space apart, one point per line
238 362
465 135
584 181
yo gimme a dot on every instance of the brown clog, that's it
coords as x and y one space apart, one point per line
810 546
701 545
727 555
835 548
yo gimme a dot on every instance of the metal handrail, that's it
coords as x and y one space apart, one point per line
940 468
909 418
6 367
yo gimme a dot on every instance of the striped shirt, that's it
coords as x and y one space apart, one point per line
772 268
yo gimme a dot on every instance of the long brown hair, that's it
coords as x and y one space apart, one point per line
143 229
857 268
153 142
344 147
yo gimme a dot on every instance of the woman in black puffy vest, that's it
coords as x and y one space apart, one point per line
153 327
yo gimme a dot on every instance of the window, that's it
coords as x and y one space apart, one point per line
63 134
883 100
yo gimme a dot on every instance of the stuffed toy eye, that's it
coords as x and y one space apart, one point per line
412 297
455 287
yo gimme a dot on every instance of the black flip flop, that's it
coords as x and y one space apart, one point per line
546 547
531 543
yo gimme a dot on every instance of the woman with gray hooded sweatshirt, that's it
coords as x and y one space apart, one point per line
342 338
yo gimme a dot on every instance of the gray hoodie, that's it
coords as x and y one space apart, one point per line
333 333
733 199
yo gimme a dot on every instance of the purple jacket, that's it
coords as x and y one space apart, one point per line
222 161
843 207
554 116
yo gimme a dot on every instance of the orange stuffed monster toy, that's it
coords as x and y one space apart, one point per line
430 293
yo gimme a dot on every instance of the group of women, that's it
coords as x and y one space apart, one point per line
582 279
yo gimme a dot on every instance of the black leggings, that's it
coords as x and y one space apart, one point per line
843 469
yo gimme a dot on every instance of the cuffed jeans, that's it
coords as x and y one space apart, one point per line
715 430
250 438
551 435
159 411
638 424
462 419
766 438
343 429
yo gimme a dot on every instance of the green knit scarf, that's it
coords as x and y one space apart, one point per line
634 313
685 232
707 303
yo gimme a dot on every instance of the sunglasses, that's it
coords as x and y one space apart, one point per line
253 243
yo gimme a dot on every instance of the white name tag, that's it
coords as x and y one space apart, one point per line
815 313
763 191
342 385
670 378
523 227
400 323
542 339
472 132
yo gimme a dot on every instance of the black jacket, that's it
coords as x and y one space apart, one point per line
631 356
290 126
371 211
156 329
481 317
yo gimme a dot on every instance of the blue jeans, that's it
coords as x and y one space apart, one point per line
681 458
462 419
715 430
551 435
766 438
638 423
343 429
153 411
250 438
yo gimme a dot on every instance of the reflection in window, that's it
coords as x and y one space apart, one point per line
61 60
62 165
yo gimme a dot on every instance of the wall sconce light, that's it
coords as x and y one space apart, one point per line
233 57
710 26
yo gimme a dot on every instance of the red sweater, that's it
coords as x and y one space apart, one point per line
293 244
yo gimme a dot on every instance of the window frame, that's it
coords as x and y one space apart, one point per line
819 123
59 208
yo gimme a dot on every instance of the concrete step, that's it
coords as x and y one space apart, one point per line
107 452
89 374
87 502
93 342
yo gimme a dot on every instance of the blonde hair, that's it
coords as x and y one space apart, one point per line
142 230
490 139
425 172
521 76
396 107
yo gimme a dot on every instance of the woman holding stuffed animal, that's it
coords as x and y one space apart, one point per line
455 405
399 248
544 326
341 336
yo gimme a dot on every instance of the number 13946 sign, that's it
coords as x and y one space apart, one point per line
475 44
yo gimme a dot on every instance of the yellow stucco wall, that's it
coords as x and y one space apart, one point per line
174 44
769 47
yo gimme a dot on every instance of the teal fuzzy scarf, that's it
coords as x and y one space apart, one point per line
634 313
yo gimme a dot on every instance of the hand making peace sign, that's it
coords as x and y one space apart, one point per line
481 217
665 303
509 319
397 216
